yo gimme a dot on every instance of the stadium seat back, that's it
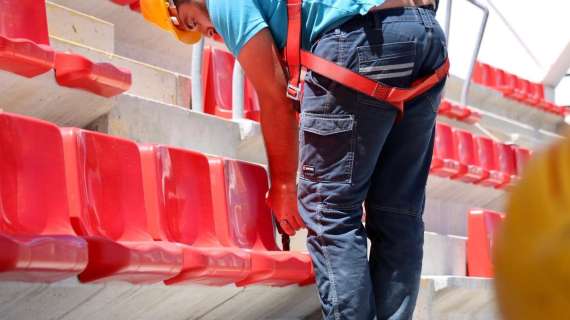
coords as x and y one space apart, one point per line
107 190
24 19
486 151
32 182
184 210
446 148
507 159
239 189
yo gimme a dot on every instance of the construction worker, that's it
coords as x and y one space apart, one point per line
532 256
351 148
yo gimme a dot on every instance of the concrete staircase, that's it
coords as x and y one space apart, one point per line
157 109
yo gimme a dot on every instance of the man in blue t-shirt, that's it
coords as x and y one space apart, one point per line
350 149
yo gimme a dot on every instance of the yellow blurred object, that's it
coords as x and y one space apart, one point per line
532 252
156 11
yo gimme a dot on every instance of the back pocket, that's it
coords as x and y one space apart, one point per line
392 64
327 147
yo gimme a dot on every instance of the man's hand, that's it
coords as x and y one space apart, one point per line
282 199
260 60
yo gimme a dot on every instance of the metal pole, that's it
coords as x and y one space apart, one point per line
448 20
238 88
197 98
467 84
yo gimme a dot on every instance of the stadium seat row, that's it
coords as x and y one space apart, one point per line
515 88
460 155
81 203
483 226
25 50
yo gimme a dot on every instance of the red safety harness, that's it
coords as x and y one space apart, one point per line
296 58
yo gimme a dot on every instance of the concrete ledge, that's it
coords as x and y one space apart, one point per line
444 255
150 121
148 81
80 28
440 298
43 98
135 38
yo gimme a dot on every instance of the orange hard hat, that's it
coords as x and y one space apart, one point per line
532 255
156 12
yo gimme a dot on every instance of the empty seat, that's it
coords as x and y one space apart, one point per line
107 205
37 242
507 162
244 221
218 75
489 160
522 156
104 79
180 209
482 228
444 162
24 42
471 170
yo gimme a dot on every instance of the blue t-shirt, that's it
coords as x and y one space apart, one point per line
237 21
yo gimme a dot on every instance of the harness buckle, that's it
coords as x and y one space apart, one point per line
294 92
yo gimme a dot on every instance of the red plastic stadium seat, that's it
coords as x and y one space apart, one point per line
522 156
482 228
489 159
471 170
505 82
444 162
246 222
218 75
37 242
24 57
179 202
135 6
484 74
104 79
458 111
507 162
107 205
24 41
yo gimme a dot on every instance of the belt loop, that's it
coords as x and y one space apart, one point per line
426 19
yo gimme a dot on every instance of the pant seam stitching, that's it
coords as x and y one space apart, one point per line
329 271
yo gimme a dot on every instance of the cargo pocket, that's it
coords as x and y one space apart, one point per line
390 63
327 147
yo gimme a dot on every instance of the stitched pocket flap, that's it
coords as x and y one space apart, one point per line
326 125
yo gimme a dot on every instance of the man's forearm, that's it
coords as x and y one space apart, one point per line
280 133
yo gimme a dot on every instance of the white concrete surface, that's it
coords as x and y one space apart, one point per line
80 28
148 81
135 38
153 122
440 298
43 98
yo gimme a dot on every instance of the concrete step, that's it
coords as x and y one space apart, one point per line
150 121
440 298
447 298
135 38
80 28
149 81
43 98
